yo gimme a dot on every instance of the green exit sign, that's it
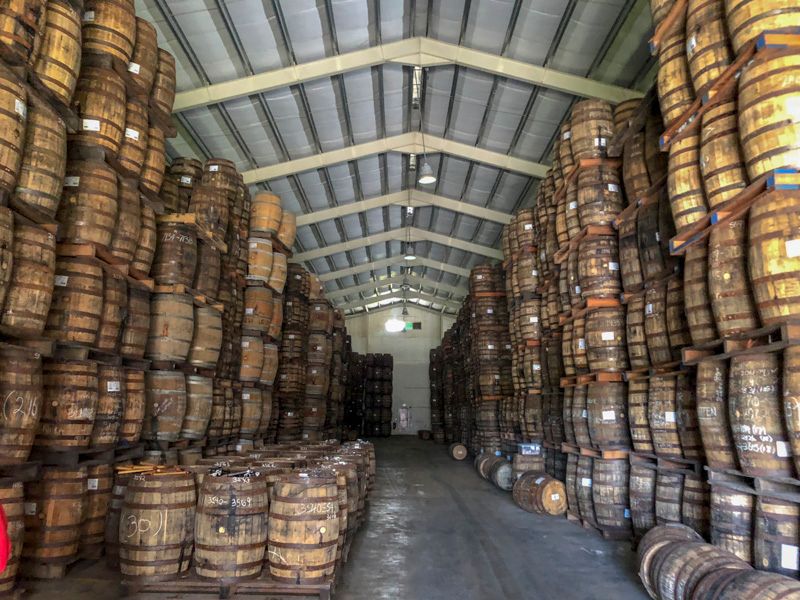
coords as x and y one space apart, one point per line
412 326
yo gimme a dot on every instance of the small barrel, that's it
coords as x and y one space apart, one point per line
655 325
610 494
125 238
156 525
662 414
89 203
21 387
685 182
458 451
122 475
681 566
133 148
301 544
12 501
44 161
269 367
584 486
130 426
699 315
136 325
206 342
53 511
642 492
695 507
165 394
70 402
259 261
207 273
669 497
606 404
288 229
600 197
635 335
265 214
606 348
707 49
712 414
257 308
592 126
146 246
175 259
115 306
252 358
231 527
674 83
13 120
110 406
653 542
732 521
630 267
755 413
500 475
721 161
251 412
775 535
598 267
144 58
163 93
99 101
773 260
109 27
59 58
638 395
277 278
99 484
199 398
748 19
171 327
540 493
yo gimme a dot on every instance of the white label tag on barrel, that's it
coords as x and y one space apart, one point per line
537 367
489 311
313 371
691 44
253 245
497 377
555 497
535 272
607 336
789 557
567 135
478 276
245 344
131 134
600 141
609 415
613 187
291 336
534 320
298 276
581 344
539 481
648 309
213 168
658 236
584 413
134 68
90 124
577 289
669 417
490 346
627 513
792 248
186 180
782 449
88 16
72 181
527 226
20 108
572 205
91 484
283 376
61 280
119 490
317 308
113 386
245 395
249 311
612 266
586 481
30 509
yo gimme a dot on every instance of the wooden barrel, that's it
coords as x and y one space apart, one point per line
44 161
699 315
122 476
721 161
662 414
257 308
768 128
144 58
22 392
199 398
210 206
732 521
775 533
695 507
675 90
599 195
605 339
642 492
77 304
146 247
125 238
53 510
638 394
731 300
231 527
99 102
712 414
252 358
136 325
165 394
206 343
755 584
265 214
636 337
584 488
171 327
21 23
259 261
571 485
12 501
688 426
115 306
89 203
458 451
58 61
655 325
610 494
659 9
133 148
580 416
653 542
655 228
634 167
685 182
679 567
163 92
252 406
269 367
755 413
747 20
630 267
598 267
277 278
288 229
99 484
302 536
156 529
606 404
591 126
500 474
774 262
69 404
109 27
6 251
540 493
130 426
175 259
110 406
13 120
669 497
207 273
707 49
791 399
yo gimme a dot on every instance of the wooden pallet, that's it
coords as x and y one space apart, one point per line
202 232
262 588
26 471
75 351
672 465
587 306
604 453
589 231
670 369
634 124
74 457
30 215
198 298
35 347
608 533
101 256
593 377
782 488
772 338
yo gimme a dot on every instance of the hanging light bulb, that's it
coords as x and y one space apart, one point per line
426 176
405 310
409 255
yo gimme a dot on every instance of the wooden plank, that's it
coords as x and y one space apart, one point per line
666 26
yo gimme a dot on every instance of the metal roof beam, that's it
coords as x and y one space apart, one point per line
408 143
396 305
388 262
415 198
418 295
417 235
417 51
398 280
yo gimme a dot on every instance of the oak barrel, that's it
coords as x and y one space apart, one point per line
130 427
653 542
732 521
146 247
175 258
685 182
144 58
136 325
110 406
109 26
99 102
58 62
288 229
598 267
712 414
165 393
699 315
606 404
171 327
591 126
610 494
89 203
265 214
21 388
125 238
70 402
30 290
675 91
642 492
13 120
208 270
133 147
776 532
638 402
163 92
606 348
537 492
707 49
99 485
747 19
662 414
206 342
721 160
115 307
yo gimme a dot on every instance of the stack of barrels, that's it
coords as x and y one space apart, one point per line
334 413
320 358
353 419
285 513
378 376
435 376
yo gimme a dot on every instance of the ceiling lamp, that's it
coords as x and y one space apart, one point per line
405 310
426 176
409 255
394 325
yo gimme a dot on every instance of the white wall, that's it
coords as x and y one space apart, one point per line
410 351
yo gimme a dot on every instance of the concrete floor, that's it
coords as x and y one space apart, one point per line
436 530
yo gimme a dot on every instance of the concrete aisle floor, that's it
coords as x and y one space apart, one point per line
437 531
